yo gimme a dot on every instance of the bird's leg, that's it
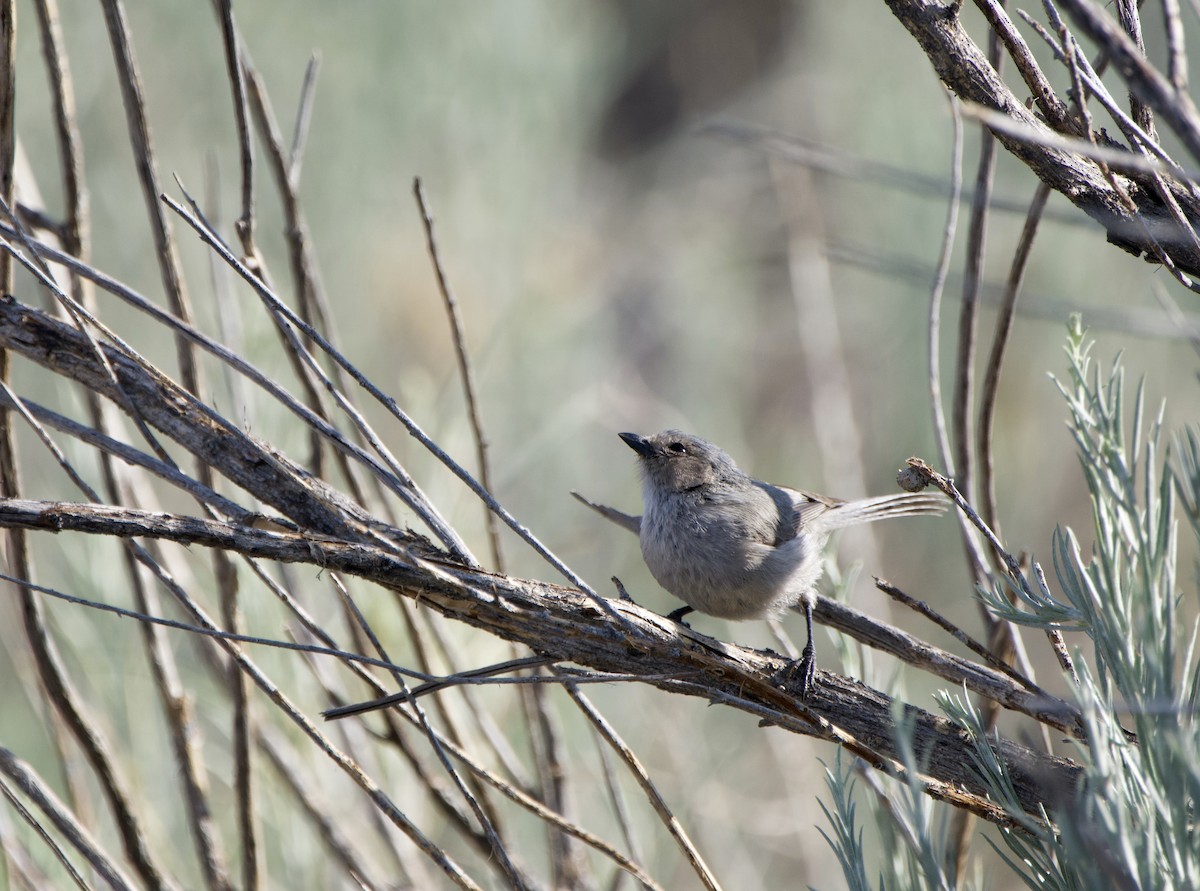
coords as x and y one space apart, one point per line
676 615
803 669
807 666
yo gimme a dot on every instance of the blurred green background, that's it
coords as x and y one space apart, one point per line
620 266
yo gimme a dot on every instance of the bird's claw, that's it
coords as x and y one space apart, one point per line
800 672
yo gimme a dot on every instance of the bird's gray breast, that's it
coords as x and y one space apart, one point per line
720 551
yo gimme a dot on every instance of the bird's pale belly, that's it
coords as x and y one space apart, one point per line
706 584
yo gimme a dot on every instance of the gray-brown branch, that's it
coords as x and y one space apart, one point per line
564 623
963 67
163 404
569 626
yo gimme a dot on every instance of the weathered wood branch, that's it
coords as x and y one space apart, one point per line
569 626
167 407
963 67
561 622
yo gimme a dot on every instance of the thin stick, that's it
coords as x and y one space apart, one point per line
23 775
945 255
1054 109
670 821
139 136
924 609
962 416
1054 635
1127 13
308 90
1004 324
20 867
938 287
463 677
75 229
465 372
951 490
8 129
233 70
1177 63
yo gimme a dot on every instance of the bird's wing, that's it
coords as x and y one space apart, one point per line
797 509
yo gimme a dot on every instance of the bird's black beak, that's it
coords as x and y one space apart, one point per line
639 444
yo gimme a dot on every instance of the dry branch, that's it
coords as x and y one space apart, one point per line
1143 229
567 625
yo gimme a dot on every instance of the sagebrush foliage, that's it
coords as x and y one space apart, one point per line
1132 822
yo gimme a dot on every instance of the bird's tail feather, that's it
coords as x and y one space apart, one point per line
885 507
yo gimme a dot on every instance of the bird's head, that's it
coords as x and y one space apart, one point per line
679 462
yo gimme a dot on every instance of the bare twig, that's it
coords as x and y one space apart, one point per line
1177 64
233 71
962 414
934 339
947 485
23 776
964 68
991 377
674 827
920 606
1151 87
75 228
1018 50
1131 21
139 135
308 90
465 373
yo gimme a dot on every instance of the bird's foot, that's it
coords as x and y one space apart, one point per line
800 672
676 615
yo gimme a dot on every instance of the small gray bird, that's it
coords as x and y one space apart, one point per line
737 548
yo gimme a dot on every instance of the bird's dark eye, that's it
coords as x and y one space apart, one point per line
677 448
